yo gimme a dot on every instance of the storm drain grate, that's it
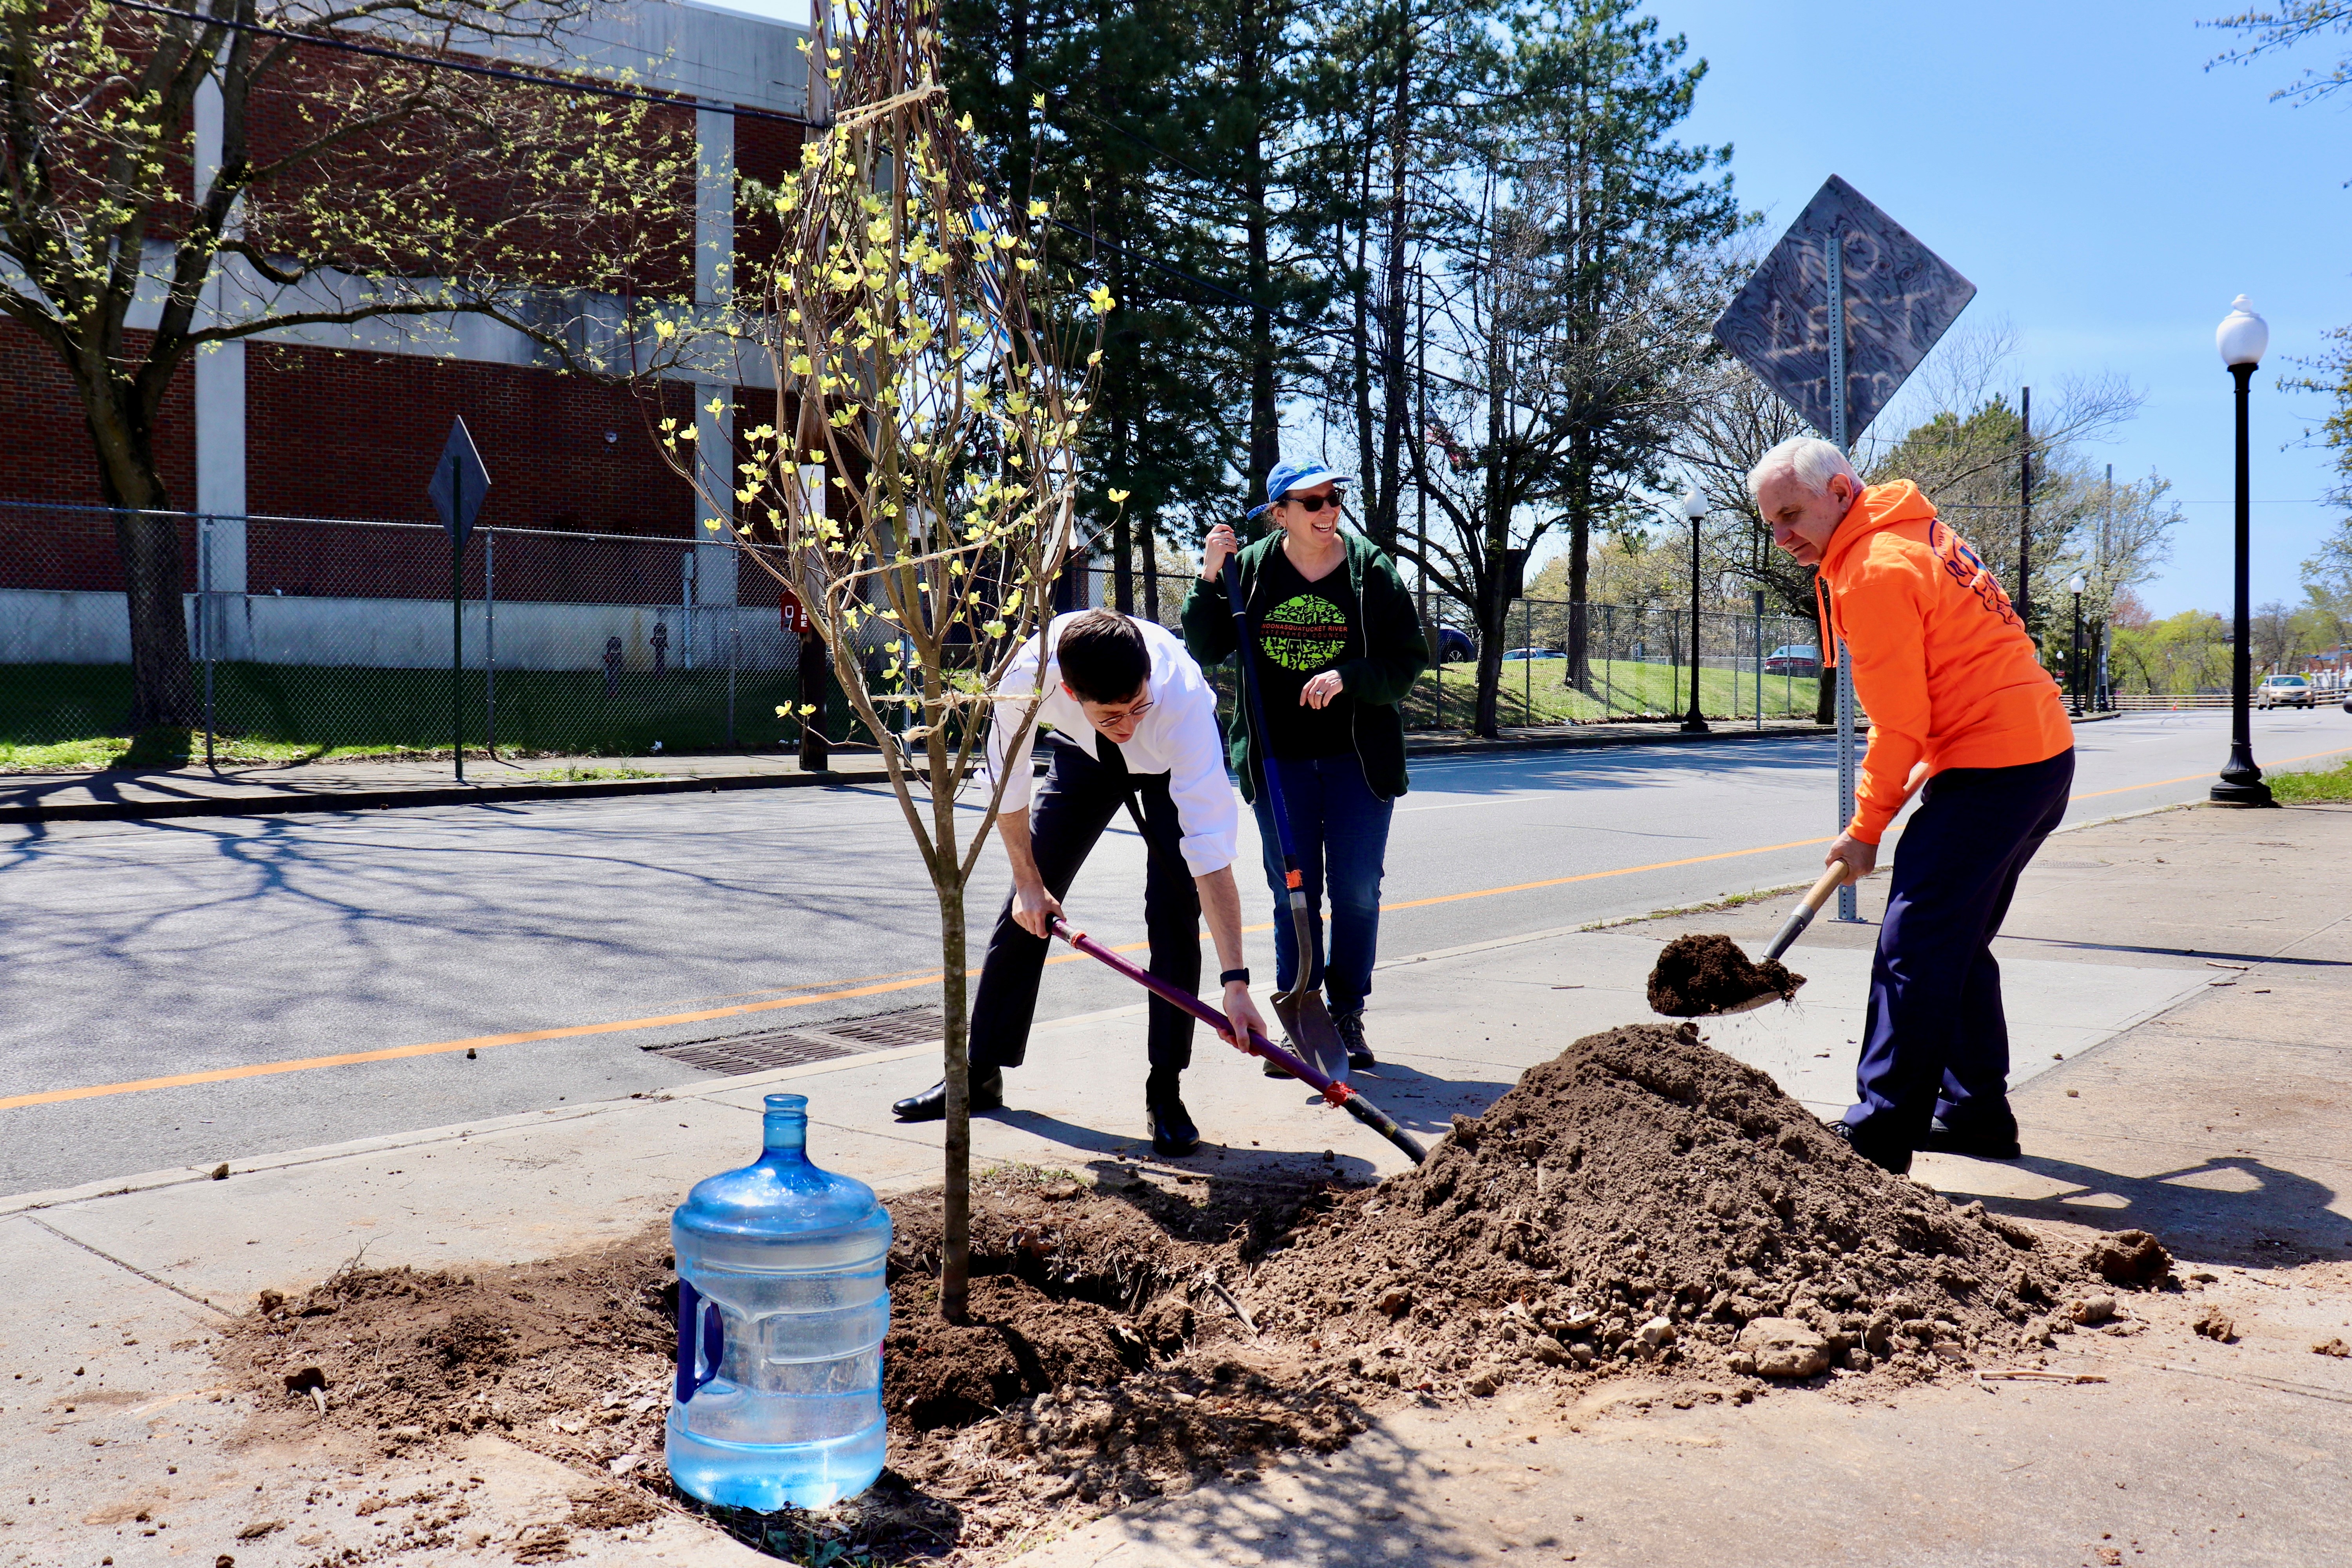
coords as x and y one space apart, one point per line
768 1048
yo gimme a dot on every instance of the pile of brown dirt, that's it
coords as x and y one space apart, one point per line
1636 1201
1101 1362
1696 975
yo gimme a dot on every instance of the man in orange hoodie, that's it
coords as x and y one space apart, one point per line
1944 667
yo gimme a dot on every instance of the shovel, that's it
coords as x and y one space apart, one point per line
1752 986
1334 1091
1301 1009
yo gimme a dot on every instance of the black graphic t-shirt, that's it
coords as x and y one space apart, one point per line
1303 630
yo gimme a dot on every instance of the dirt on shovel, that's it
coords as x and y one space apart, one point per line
1696 975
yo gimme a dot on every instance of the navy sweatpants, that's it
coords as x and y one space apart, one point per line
1936 1042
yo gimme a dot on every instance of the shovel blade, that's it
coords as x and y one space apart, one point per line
1309 1023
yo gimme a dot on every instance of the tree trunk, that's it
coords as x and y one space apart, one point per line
1384 516
1150 569
1579 564
162 684
1265 430
815 658
955 1193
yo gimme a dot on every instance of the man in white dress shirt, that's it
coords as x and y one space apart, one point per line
1135 729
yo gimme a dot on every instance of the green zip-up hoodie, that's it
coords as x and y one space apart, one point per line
1388 653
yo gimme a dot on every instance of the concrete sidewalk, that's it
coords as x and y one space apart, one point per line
2211 1112
365 784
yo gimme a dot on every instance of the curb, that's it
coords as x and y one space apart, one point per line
425 795
380 799
1601 735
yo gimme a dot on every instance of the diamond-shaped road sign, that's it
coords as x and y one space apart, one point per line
1899 297
458 483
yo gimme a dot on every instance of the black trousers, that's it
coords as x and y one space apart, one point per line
1073 803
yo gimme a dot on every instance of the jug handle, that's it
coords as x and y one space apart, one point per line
691 1308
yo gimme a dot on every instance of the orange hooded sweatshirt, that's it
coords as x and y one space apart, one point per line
1942 662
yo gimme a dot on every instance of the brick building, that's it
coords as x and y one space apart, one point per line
345 423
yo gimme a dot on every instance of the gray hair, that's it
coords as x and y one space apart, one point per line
1810 461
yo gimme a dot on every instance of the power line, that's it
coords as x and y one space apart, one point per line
496 73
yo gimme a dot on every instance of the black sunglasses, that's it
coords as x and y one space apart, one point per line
1312 503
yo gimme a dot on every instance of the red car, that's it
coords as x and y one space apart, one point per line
1795 659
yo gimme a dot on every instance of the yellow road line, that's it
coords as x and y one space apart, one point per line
623 1025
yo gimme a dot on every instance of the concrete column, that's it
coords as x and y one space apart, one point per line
714 208
217 375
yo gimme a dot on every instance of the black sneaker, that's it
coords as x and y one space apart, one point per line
1892 1160
1173 1136
931 1105
1992 1142
1273 1068
1351 1035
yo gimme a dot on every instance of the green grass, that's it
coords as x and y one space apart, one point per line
2304 789
575 773
1535 691
73 716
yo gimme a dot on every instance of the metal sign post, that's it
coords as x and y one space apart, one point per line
460 482
1835 321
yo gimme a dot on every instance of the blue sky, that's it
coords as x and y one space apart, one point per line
2104 192
2107 195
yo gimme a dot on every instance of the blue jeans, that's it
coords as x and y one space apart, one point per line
1936 1041
1341 829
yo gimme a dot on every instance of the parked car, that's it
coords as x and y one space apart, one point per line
2283 692
1455 646
1793 658
1535 653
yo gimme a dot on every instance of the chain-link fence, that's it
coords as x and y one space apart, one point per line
308 636
1636 662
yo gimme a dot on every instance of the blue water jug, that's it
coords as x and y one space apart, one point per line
782 1307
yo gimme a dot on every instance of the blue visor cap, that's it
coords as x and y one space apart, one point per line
1289 477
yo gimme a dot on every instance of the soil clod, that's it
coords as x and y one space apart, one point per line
1696 975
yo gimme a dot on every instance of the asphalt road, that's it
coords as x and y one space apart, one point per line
136 951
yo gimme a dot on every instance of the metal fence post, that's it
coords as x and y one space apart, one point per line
490 640
205 624
734 649
1527 665
1757 599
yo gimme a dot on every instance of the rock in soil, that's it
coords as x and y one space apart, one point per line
1783 1347
2215 1324
1700 974
1639 1177
2129 1257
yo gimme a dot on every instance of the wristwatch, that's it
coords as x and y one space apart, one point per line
1233 977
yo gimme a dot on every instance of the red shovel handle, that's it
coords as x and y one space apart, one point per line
1256 1045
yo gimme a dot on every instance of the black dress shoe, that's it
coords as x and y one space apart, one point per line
1994 1142
1172 1132
931 1105
1892 1158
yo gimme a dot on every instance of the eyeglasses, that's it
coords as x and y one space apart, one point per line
1312 503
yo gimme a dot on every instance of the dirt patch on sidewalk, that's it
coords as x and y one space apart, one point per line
1632 1207
1102 1363
1635 1203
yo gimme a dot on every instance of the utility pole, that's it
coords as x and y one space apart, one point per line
2024 594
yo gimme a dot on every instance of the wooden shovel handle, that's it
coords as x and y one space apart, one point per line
1831 880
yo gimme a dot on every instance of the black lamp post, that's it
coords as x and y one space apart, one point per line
2074 652
1694 507
2241 337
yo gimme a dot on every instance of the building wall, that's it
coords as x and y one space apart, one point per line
45 445
335 433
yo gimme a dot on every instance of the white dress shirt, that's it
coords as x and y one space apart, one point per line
1177 736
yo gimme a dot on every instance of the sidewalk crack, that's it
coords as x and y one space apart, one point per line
119 1263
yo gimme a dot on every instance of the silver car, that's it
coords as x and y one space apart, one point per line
2283 692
